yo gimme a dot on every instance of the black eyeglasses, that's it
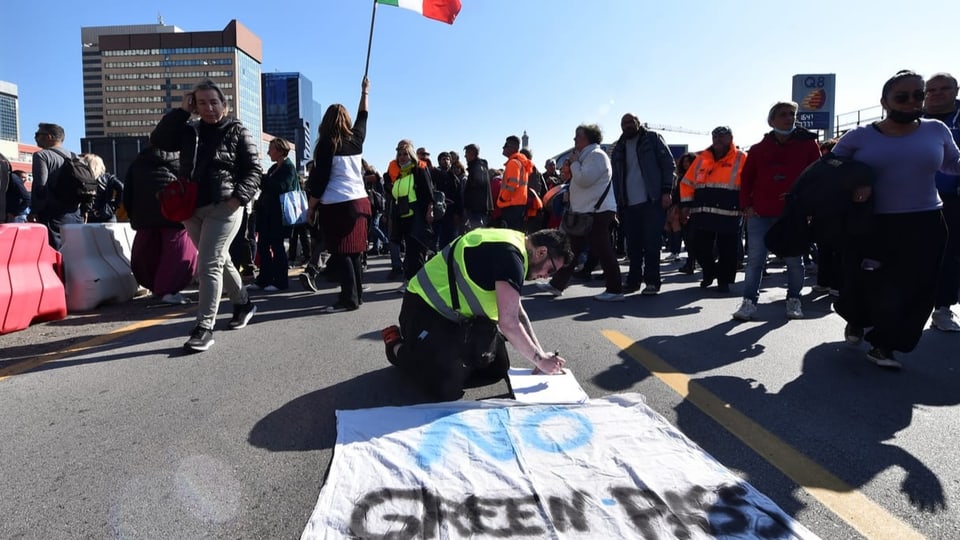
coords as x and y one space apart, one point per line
553 266
900 99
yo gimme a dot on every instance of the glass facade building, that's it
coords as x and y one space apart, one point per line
289 112
248 104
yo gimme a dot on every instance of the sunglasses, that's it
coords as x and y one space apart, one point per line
916 95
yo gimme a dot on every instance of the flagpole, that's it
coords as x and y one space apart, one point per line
373 18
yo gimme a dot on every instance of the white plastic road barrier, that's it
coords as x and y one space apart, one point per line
96 264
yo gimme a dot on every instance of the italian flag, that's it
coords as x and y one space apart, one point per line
438 10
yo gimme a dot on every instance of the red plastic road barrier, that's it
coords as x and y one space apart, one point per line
30 285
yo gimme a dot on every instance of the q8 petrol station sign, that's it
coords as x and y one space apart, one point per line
815 95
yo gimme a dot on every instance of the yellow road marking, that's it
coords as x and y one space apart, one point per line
864 515
33 363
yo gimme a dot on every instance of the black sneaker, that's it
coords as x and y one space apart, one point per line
201 339
852 334
308 280
242 315
650 290
883 358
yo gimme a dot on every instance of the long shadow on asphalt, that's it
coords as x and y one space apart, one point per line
309 421
842 412
105 352
721 345
671 302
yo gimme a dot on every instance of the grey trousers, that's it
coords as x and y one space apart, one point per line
212 229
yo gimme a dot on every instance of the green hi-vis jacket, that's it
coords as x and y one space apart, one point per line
432 282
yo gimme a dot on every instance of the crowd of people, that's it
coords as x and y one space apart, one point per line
875 210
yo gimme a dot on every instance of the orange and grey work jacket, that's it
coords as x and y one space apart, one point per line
513 188
711 190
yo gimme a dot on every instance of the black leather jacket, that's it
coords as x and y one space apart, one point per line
150 171
230 169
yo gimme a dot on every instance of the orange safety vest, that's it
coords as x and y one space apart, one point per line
394 170
513 189
712 186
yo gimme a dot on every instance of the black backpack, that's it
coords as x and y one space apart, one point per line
75 183
377 204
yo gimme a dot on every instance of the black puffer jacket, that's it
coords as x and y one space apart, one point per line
222 158
152 169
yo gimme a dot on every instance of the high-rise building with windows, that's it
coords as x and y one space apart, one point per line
9 113
133 75
9 123
289 112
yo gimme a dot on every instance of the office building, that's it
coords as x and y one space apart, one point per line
133 75
9 112
9 119
289 112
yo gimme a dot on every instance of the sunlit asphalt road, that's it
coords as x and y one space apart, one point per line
110 430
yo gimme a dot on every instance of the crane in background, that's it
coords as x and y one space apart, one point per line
675 129
676 149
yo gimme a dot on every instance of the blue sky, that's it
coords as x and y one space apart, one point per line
506 66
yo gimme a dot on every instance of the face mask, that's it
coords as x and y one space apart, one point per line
785 131
901 117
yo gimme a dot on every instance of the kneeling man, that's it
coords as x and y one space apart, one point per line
449 341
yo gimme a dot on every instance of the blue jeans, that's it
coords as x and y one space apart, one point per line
396 263
643 224
379 238
757 228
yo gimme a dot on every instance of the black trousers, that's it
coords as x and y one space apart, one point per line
513 217
890 278
349 269
948 287
431 353
829 253
721 266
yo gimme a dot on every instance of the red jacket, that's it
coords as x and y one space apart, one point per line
771 169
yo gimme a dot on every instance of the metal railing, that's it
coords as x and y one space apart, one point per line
847 121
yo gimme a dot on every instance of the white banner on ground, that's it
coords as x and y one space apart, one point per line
607 468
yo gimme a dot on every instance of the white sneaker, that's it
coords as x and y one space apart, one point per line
545 286
793 309
609 297
945 320
747 308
